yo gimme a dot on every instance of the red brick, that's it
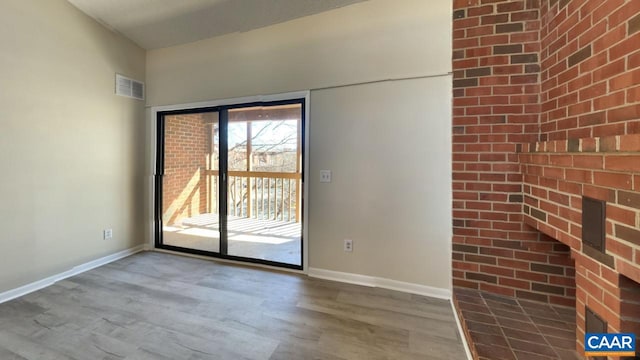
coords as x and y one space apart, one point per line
520 284
611 37
465 23
478 91
494 40
598 193
480 31
578 133
625 80
629 163
463 4
495 19
624 13
631 112
588 161
633 94
524 37
593 91
613 180
494 60
627 46
608 130
610 100
497 289
553 172
482 10
571 187
630 143
634 60
629 270
617 248
495 270
465 63
594 32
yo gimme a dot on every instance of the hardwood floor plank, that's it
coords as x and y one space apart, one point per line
8 355
162 306
384 317
29 348
288 351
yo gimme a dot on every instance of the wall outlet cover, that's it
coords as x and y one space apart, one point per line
325 176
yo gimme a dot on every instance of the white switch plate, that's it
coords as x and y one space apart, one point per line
107 234
325 176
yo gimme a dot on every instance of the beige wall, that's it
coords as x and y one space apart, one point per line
388 147
71 152
387 143
369 41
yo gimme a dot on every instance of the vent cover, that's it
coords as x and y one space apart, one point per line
594 324
129 87
593 223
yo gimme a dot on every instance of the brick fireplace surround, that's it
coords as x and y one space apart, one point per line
546 116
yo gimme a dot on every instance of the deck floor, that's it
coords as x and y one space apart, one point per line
259 239
160 306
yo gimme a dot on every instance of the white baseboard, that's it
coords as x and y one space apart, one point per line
461 331
384 283
40 284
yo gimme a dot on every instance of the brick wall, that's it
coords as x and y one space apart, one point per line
570 71
590 63
496 106
590 115
558 174
187 141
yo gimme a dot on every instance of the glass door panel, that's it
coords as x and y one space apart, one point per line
191 181
264 185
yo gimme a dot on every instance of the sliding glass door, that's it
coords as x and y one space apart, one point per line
191 181
264 161
230 182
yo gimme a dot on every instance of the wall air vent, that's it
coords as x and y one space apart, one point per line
129 87
593 223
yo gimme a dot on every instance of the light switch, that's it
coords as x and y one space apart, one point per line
325 176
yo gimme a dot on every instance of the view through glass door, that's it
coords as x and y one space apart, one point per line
191 181
231 182
265 183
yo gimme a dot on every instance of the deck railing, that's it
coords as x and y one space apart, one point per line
258 195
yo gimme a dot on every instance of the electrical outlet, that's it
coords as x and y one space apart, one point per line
325 176
348 245
107 234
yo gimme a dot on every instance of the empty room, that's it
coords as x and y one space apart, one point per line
320 179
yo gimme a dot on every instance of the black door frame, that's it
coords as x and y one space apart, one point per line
223 123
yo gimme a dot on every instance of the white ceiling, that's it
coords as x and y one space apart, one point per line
160 23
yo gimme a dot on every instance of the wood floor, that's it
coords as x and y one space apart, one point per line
160 306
